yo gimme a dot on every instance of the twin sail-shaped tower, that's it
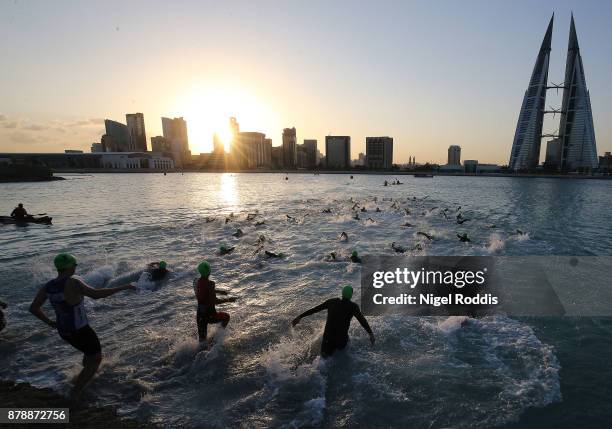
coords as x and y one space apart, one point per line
574 148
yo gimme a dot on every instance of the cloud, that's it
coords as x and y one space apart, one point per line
3 118
24 138
10 125
35 127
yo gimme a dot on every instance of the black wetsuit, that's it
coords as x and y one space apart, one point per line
158 274
339 315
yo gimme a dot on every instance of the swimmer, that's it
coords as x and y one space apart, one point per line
224 250
464 238
339 315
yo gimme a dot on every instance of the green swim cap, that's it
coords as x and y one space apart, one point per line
223 247
354 254
64 260
347 292
163 265
204 269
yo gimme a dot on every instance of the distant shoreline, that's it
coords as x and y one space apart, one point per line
343 172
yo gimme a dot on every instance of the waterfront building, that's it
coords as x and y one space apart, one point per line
553 153
525 152
175 131
289 148
338 151
252 150
379 152
160 144
118 138
136 132
310 150
578 149
454 155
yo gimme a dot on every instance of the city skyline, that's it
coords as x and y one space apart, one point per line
325 82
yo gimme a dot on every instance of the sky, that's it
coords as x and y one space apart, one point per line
428 73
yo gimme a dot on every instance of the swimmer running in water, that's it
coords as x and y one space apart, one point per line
340 311
206 295
66 294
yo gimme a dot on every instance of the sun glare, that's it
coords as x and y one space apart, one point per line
207 110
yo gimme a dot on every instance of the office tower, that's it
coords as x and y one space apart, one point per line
252 150
578 149
136 132
289 148
454 155
175 131
379 152
338 151
310 151
525 152
117 139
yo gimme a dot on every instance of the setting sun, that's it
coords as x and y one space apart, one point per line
207 109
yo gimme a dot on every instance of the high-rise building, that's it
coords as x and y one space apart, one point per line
525 152
160 144
454 155
553 152
379 152
136 132
252 150
578 149
310 152
118 138
289 148
338 151
175 131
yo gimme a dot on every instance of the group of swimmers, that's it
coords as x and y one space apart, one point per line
66 294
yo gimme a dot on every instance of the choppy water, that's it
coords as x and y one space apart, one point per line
423 372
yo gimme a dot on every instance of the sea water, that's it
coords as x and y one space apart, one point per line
422 372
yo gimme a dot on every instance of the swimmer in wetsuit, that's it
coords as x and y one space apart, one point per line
66 295
339 315
207 298
157 270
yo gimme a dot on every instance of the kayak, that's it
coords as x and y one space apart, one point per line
46 220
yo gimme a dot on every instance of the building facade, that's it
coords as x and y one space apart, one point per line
379 152
175 131
338 151
116 138
525 152
136 132
454 155
289 148
578 149
252 150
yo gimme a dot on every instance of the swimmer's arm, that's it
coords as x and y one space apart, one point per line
36 307
309 312
221 292
364 323
101 293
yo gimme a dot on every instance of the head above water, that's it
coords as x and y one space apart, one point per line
204 269
64 261
162 265
347 292
354 254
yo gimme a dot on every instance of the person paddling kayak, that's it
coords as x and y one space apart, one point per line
66 295
339 315
19 212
